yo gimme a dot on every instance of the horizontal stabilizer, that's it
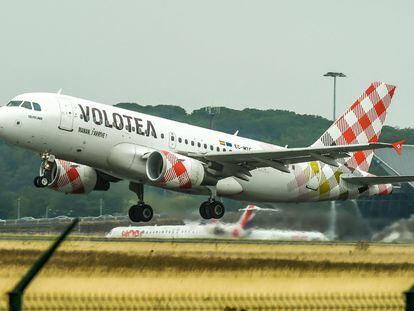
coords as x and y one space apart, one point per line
256 208
377 180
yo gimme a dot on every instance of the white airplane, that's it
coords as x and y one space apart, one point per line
210 230
217 230
85 146
285 235
271 234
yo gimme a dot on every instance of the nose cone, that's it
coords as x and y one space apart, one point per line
10 123
3 118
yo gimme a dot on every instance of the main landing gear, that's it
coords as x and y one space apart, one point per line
212 208
46 168
141 211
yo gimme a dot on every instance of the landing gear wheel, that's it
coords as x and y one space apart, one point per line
141 212
36 182
40 182
146 212
43 181
213 209
217 209
205 211
133 213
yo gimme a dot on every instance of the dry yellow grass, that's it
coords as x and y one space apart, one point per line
150 267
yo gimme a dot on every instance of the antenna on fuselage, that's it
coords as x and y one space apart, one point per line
59 92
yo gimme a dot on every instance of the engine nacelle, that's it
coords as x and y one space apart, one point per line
129 160
70 177
173 170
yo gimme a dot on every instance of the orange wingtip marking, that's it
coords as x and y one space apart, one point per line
398 146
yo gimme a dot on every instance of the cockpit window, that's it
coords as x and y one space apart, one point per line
14 103
37 107
27 105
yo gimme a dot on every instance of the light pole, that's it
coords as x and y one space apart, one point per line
100 206
18 208
334 75
212 112
332 229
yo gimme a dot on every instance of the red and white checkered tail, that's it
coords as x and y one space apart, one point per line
361 123
248 215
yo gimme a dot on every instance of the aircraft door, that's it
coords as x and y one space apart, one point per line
66 114
173 140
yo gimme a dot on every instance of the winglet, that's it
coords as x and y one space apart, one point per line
398 146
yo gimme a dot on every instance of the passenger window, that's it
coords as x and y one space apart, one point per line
211 147
186 141
205 146
179 139
14 103
162 135
218 149
172 138
27 105
224 149
192 143
198 144
37 107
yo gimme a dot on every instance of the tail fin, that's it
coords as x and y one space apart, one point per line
361 123
249 213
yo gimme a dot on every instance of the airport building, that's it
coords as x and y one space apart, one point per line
380 211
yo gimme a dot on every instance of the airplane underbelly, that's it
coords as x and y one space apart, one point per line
268 185
303 183
313 181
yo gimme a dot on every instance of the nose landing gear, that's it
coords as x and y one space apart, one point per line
141 211
40 182
46 167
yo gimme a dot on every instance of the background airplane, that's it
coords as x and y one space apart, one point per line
85 146
216 230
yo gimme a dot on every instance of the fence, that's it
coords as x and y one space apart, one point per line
212 301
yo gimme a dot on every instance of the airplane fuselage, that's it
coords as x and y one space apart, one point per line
88 133
212 231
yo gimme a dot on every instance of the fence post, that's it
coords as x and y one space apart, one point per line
16 295
409 299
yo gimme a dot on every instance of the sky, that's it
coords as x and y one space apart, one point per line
238 54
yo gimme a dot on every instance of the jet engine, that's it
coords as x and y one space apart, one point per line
173 170
70 177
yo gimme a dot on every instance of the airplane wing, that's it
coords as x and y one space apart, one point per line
239 163
376 180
